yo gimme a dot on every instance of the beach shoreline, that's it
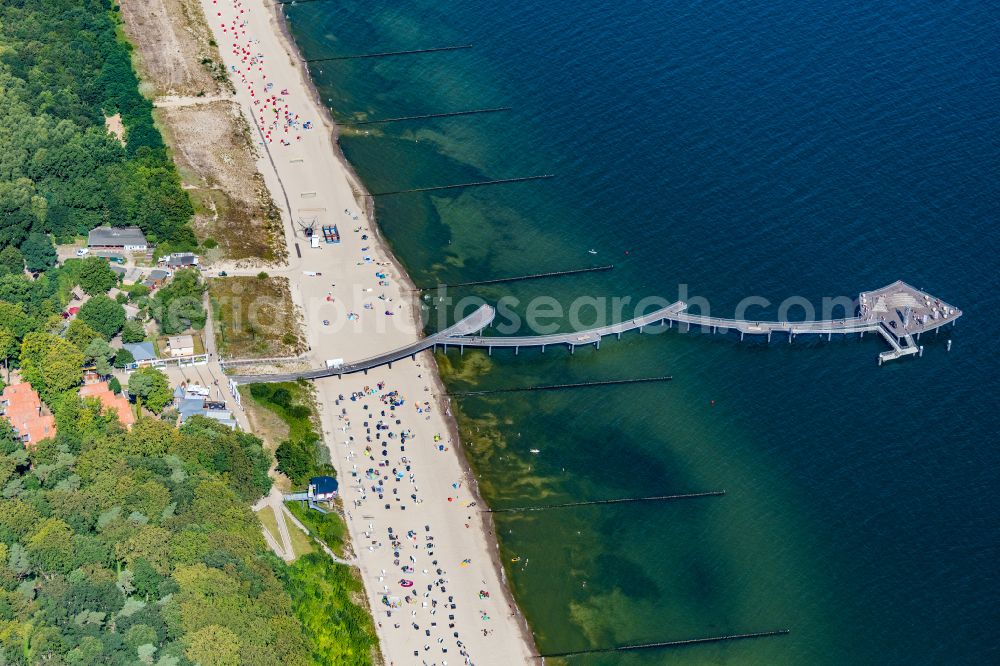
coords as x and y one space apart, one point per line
282 32
440 390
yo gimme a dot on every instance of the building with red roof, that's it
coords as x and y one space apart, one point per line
31 420
116 403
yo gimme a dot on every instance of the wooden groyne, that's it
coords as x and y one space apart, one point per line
558 387
670 644
387 54
518 278
478 183
426 116
624 500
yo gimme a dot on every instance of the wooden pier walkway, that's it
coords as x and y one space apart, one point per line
899 313
572 339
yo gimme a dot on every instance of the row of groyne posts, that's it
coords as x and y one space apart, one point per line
594 336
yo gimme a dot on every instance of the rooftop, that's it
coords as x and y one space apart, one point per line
323 485
182 259
117 403
21 406
116 237
142 351
191 406
180 341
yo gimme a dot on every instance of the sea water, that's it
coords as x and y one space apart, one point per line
721 150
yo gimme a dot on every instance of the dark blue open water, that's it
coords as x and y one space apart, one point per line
788 148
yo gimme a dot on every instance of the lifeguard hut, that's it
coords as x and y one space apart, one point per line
320 489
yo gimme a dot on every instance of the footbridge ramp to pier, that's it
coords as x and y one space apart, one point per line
474 323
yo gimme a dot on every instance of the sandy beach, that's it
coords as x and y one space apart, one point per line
427 556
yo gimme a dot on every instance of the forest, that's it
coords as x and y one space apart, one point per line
63 70
124 546
121 547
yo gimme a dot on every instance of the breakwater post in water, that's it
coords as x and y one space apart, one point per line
386 54
478 183
669 644
517 278
298 2
556 387
624 500
426 116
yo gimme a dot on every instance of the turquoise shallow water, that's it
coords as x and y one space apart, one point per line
811 149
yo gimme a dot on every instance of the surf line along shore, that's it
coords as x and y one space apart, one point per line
428 558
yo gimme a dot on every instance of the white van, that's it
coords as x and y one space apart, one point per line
83 252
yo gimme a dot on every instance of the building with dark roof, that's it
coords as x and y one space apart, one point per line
322 488
180 260
127 239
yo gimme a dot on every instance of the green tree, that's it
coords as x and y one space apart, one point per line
103 315
178 306
213 646
39 253
152 387
95 276
133 331
296 460
8 347
123 357
115 385
51 546
14 318
98 349
80 334
11 261
50 364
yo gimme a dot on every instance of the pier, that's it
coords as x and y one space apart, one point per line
899 313
478 183
518 278
387 54
669 644
426 116
572 339
624 500
558 387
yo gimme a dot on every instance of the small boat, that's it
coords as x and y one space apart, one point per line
535 451
592 251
